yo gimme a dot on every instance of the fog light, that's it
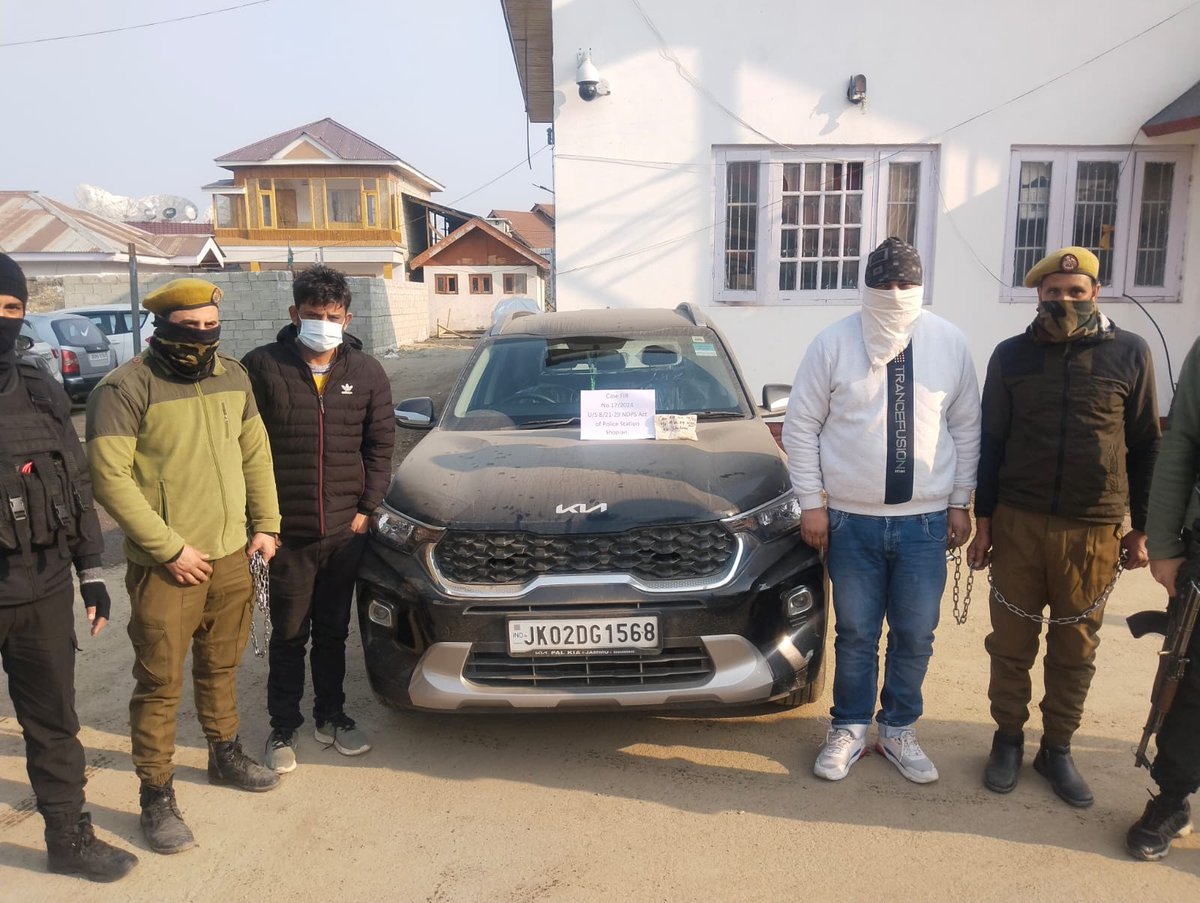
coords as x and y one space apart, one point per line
381 613
798 602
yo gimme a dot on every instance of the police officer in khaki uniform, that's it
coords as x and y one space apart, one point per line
1070 434
179 457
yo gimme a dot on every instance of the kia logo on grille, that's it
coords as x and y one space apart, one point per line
582 508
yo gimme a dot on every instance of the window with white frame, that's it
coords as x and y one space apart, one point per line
796 224
1126 205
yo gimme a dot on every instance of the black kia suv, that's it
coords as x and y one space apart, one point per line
517 566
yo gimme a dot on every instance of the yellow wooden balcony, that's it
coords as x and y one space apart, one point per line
346 234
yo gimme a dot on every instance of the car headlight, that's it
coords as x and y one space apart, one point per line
770 521
403 533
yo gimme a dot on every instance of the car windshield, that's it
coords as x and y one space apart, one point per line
528 382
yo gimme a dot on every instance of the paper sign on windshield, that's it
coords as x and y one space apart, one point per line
616 414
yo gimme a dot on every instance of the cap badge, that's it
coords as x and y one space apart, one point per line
1068 262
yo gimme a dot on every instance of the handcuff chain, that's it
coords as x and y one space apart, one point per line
1072 619
960 617
260 574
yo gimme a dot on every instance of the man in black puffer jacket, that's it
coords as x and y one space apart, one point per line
328 411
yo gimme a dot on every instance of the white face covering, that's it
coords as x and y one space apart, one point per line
889 316
320 335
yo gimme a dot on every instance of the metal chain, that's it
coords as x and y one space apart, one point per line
960 617
1073 619
259 572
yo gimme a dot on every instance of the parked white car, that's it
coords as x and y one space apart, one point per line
114 320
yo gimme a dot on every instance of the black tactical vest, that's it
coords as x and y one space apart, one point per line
42 497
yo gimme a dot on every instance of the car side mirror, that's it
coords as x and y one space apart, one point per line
23 343
775 398
415 413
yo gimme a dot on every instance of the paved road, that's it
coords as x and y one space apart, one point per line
591 807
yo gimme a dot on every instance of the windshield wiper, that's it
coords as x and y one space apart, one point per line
717 415
538 424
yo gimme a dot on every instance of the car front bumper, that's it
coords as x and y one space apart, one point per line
423 646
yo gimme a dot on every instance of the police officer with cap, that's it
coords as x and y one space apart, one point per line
47 522
1070 435
180 459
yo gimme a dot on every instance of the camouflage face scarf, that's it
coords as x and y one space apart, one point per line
1066 321
190 353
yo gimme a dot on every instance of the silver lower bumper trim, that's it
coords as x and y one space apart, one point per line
740 675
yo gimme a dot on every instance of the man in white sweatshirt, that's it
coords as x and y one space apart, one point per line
884 423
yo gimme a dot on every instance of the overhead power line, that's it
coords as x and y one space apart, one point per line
92 34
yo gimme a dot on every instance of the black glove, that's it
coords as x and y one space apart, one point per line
96 594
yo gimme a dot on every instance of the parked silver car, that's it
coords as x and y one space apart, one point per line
29 344
115 320
80 347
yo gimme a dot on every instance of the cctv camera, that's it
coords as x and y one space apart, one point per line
587 76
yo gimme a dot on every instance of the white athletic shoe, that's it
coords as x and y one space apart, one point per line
900 746
843 747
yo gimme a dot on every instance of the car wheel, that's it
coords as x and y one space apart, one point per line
808 694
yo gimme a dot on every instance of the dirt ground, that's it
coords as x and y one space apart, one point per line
590 807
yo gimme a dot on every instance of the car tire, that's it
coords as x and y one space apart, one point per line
807 694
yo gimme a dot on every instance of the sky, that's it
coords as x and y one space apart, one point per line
144 111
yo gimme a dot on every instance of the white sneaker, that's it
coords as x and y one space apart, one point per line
843 747
900 746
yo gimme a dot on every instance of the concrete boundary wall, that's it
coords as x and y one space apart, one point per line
387 313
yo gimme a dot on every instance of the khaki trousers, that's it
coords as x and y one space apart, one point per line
214 619
1041 561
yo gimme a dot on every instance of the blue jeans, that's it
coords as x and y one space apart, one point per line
893 567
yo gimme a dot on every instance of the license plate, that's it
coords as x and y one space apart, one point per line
98 357
568 635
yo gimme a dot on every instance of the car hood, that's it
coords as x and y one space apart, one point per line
549 481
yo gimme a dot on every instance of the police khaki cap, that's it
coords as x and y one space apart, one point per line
1073 261
182 294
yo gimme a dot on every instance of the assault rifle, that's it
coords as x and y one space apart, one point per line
1177 625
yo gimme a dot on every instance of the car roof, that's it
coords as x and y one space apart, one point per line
104 308
54 315
609 321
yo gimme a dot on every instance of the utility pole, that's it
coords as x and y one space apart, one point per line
135 313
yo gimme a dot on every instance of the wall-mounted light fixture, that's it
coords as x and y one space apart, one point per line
857 91
587 76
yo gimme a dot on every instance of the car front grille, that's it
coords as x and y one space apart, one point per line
651 553
684 664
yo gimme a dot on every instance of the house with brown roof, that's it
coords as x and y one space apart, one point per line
321 192
534 227
48 238
475 267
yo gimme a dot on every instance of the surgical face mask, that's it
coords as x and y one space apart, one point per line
320 335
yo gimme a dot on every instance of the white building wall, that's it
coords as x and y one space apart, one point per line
465 312
634 174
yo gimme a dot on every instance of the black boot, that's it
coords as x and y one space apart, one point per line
1054 763
74 849
227 764
1165 818
162 822
1004 762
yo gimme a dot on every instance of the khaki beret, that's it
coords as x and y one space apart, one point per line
1073 260
182 294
